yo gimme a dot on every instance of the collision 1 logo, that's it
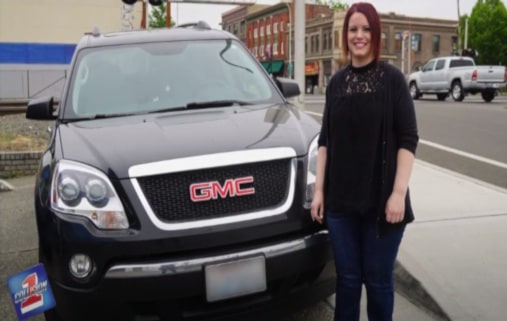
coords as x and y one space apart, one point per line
30 292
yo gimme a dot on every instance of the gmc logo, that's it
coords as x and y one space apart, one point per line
213 190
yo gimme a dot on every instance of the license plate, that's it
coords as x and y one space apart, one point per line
236 278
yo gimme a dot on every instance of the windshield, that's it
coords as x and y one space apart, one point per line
149 77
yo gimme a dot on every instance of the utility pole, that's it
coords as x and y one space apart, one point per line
459 31
168 14
299 49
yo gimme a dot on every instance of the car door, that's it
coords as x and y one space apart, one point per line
426 74
438 82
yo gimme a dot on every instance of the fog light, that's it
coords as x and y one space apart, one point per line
80 265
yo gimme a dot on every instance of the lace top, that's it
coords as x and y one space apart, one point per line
366 79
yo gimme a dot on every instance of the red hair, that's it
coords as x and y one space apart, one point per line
369 11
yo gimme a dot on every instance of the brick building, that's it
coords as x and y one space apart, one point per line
270 27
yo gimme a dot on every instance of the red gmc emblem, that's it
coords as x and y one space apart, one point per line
232 187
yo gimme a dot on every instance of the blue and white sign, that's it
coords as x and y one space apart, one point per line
30 292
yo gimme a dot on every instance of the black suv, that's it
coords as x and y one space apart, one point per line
177 183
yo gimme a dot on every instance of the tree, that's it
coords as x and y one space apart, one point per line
487 31
334 4
158 16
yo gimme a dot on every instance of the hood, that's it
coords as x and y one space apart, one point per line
115 144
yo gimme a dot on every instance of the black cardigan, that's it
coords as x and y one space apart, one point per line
398 128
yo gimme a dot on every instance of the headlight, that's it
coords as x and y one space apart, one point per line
68 191
311 172
79 189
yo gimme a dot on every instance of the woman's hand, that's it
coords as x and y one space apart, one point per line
395 208
317 209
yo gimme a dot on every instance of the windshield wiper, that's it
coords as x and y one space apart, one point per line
217 103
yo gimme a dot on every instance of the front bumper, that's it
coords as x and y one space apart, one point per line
298 271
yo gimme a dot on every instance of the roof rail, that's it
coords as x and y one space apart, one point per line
198 25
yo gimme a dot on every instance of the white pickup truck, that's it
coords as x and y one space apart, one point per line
457 76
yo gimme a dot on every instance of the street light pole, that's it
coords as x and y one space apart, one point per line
290 68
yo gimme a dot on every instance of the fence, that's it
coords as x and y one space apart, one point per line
30 81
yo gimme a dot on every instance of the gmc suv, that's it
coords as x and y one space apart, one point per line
177 182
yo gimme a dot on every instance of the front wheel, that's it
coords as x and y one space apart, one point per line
414 91
488 95
457 91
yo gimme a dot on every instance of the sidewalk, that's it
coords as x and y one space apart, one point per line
457 247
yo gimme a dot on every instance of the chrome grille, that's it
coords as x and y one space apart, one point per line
168 195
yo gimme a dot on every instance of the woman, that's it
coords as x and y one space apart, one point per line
365 158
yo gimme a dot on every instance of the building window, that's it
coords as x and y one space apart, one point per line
384 41
268 29
243 26
261 50
281 48
262 31
275 28
330 40
436 43
306 45
275 48
397 41
416 42
256 33
336 39
324 41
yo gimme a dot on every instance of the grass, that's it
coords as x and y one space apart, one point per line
19 143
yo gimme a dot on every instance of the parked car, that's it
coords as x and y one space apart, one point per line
177 183
457 76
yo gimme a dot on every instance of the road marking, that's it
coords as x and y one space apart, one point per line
450 150
464 154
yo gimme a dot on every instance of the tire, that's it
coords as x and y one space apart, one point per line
441 97
414 91
457 91
488 95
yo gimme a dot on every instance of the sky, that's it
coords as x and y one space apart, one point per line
440 9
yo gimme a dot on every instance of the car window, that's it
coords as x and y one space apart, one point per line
440 64
152 76
429 66
460 63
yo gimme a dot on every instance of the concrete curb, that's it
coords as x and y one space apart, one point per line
5 187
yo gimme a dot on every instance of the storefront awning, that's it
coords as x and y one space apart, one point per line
273 67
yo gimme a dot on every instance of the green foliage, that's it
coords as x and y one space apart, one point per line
334 4
158 17
487 31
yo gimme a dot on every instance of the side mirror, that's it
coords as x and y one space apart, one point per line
40 108
288 87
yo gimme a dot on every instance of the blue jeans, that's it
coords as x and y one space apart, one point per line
361 257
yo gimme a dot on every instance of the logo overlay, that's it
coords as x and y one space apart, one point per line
30 292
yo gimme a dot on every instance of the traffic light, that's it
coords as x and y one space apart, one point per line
152 2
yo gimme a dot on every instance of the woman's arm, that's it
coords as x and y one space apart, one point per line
395 206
